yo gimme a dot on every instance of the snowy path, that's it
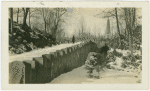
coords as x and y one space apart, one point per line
38 53
79 76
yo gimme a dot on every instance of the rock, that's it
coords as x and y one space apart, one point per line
119 61
114 63
137 52
133 59
20 39
116 53
118 68
140 67
123 66
126 52
97 77
111 50
90 71
112 67
17 51
128 61
136 76
122 69
119 50
108 66
111 63
24 41
139 81
136 70
138 61
111 58
104 49
125 58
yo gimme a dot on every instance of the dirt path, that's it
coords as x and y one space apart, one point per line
79 76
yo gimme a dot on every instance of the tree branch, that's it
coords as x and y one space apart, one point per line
62 14
23 10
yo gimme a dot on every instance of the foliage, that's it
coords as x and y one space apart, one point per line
20 41
90 63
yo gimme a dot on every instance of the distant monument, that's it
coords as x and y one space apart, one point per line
108 35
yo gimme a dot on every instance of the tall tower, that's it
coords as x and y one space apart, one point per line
108 34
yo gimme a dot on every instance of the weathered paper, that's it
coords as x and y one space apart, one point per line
91 4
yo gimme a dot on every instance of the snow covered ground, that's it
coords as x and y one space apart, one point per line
38 53
79 76
115 75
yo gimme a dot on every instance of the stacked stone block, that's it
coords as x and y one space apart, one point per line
44 69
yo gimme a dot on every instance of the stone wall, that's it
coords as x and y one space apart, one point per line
44 69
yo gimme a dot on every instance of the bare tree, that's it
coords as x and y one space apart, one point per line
118 25
29 17
82 25
17 15
50 19
44 14
59 12
81 29
25 10
48 16
130 25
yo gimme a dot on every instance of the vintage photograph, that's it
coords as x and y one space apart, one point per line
75 45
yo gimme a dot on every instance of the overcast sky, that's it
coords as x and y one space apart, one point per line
93 24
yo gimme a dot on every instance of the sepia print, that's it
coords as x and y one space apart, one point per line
75 45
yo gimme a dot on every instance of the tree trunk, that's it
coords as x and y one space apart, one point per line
25 17
117 24
125 32
132 18
17 15
24 20
133 22
45 26
54 33
29 18
126 20
11 19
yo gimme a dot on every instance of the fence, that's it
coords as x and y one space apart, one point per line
44 69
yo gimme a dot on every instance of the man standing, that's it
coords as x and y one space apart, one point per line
73 39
